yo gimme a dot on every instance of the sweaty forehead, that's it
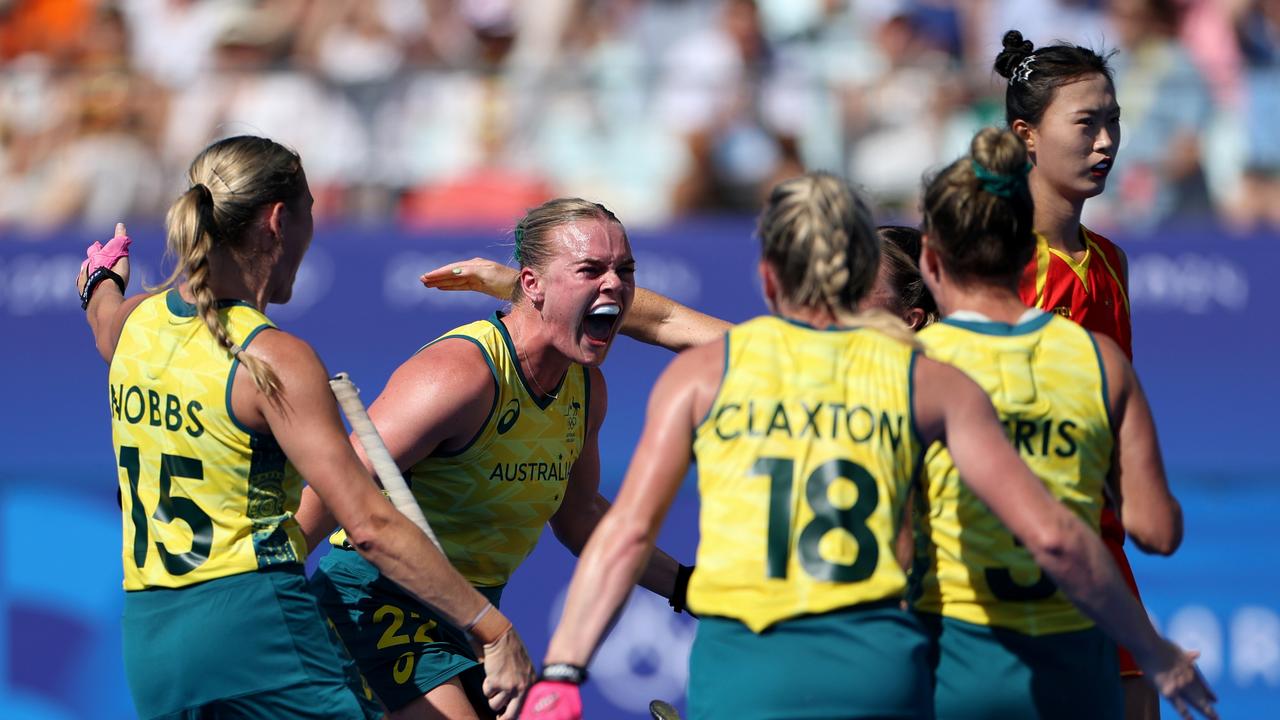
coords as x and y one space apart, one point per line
591 239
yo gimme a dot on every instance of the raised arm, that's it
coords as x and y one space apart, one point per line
584 506
952 408
305 422
652 318
108 308
1151 514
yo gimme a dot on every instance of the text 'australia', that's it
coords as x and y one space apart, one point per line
531 472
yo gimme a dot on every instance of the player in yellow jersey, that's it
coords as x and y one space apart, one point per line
496 425
806 428
1072 406
659 320
217 416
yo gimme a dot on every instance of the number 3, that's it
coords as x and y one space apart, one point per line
167 510
826 517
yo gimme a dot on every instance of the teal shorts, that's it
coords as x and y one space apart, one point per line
986 672
252 645
403 648
868 661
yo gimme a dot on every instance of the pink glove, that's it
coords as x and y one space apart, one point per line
98 255
552 700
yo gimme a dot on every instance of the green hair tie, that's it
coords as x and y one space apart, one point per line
519 242
1001 185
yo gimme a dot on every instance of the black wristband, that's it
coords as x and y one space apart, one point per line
91 282
564 672
680 592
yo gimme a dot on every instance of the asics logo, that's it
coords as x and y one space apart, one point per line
510 414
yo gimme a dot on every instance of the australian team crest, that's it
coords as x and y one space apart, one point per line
572 413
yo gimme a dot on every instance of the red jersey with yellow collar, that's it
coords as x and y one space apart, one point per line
1092 292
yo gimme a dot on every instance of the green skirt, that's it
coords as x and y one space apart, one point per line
986 672
252 645
867 661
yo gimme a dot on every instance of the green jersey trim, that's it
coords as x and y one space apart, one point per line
992 327
231 377
544 401
176 305
497 390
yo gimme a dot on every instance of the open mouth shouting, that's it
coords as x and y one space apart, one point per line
1101 169
599 322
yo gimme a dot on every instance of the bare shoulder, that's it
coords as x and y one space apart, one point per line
290 355
128 306
1110 350
933 377
438 398
303 382
454 362
700 362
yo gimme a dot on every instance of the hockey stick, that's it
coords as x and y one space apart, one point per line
388 473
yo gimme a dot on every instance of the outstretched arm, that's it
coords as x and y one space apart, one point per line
652 318
108 308
659 320
951 407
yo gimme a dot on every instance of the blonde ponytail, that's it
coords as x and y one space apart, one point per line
230 180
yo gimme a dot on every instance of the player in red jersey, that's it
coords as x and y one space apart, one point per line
1091 291
1061 101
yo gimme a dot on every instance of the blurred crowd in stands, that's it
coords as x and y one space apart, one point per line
436 112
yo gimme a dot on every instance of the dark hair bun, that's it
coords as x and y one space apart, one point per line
1015 51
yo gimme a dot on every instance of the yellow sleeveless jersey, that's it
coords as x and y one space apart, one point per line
202 496
804 459
488 502
1046 381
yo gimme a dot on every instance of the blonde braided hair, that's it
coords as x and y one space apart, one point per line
818 234
230 180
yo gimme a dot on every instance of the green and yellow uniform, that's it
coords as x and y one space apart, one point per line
211 547
983 594
487 504
804 460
